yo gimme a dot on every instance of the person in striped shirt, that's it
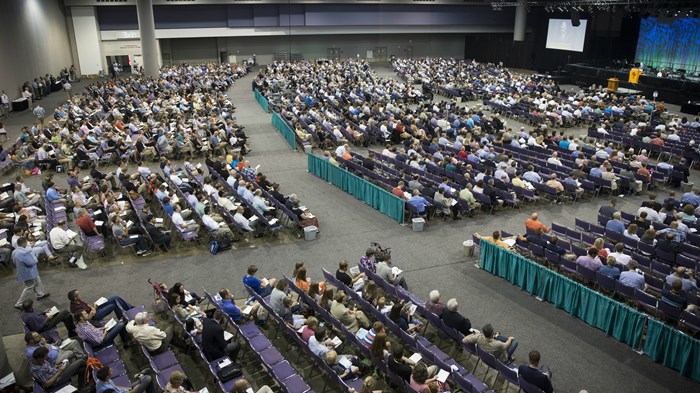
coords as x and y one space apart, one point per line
99 337
377 328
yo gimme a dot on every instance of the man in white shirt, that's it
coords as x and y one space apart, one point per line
155 340
259 203
66 241
554 159
214 228
180 223
226 203
242 221
620 256
319 343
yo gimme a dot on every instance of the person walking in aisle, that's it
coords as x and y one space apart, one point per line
27 272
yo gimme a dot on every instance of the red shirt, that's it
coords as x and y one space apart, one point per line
397 191
86 224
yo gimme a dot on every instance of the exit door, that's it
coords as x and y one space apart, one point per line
333 54
380 53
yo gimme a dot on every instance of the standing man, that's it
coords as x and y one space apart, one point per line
27 272
5 103
40 113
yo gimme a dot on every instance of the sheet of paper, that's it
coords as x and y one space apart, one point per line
253 219
7 380
52 311
361 333
345 362
86 179
227 335
65 342
416 357
509 242
247 310
337 341
112 323
99 223
100 301
273 221
396 271
204 390
443 375
159 220
224 363
67 389
188 298
412 309
134 237
3 242
354 270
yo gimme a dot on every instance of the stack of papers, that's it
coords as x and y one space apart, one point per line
443 375
100 301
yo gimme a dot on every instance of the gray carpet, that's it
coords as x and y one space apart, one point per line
579 355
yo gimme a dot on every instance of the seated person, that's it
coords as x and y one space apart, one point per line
434 304
186 297
47 374
214 345
175 383
309 329
610 269
319 343
153 339
104 383
590 260
97 313
355 282
676 298
334 361
242 386
262 287
452 318
184 311
41 322
352 319
72 350
99 337
399 314
499 346
536 375
385 271
194 327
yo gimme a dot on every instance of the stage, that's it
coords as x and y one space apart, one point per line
672 90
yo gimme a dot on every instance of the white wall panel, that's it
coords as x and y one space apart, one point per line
87 40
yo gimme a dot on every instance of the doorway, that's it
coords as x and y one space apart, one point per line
333 54
380 53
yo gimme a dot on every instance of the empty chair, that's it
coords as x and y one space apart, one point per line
669 312
646 301
624 291
605 282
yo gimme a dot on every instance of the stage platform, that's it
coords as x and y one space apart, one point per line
673 90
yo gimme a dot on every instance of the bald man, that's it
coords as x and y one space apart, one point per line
533 224
689 283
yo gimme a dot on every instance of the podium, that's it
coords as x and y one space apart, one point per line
613 84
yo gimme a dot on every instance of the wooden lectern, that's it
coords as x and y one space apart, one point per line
613 84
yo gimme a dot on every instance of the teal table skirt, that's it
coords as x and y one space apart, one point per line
284 129
378 198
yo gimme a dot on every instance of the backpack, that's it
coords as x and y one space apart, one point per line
92 364
219 245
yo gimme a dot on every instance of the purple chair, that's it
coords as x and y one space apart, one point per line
660 268
527 387
669 312
655 284
490 361
163 376
686 261
509 374
690 321
587 275
665 256
626 292
606 283
569 266
646 302
162 361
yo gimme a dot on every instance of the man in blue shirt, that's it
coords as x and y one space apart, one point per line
615 224
228 306
631 278
167 206
262 289
692 197
52 194
419 202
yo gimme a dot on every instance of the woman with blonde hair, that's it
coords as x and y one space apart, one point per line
177 378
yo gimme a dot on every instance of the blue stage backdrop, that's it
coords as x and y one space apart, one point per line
670 43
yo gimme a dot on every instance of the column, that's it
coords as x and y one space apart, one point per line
147 30
520 22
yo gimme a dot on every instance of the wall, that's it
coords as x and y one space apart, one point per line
34 42
311 46
87 40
